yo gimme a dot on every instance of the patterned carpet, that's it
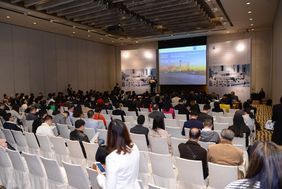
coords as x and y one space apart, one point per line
264 113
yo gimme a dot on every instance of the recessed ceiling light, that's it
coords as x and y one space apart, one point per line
73 26
252 25
88 35
88 31
51 20
8 17
248 3
249 12
227 31
113 41
136 41
101 38
250 19
34 23
73 32
253 29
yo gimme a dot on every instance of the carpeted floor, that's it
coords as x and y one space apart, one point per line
264 113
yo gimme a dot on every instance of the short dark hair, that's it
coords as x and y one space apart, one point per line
79 123
194 113
141 119
101 154
98 109
155 107
118 137
194 133
48 117
207 107
90 113
208 122
7 116
158 122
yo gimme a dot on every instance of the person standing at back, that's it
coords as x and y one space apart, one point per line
123 159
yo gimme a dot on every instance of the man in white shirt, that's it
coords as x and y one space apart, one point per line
46 127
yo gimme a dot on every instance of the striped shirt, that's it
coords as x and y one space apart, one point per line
242 184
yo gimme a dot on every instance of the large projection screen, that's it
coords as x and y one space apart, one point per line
182 65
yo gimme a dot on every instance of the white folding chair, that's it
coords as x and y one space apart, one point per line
64 130
221 175
140 141
103 134
32 143
93 178
46 147
174 132
151 186
55 175
107 116
205 144
75 152
9 138
6 170
159 145
61 151
220 126
162 170
181 123
145 171
170 122
239 141
90 149
228 120
2 134
89 132
174 144
21 174
131 113
37 174
116 117
187 130
28 125
76 176
168 116
130 118
181 117
20 140
144 109
190 173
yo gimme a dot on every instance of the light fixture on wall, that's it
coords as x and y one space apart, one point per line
125 54
240 47
8 17
148 55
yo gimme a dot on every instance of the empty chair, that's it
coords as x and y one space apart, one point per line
151 186
75 152
6 170
93 178
37 174
162 170
132 118
102 134
190 173
116 117
20 140
144 168
159 145
64 130
170 122
174 132
61 151
228 120
220 126
239 141
89 132
21 174
55 175
90 149
32 143
174 144
46 147
76 176
181 123
144 109
140 141
221 175
2 134
181 117
9 138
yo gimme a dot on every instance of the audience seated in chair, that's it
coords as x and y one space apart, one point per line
61 118
10 123
119 111
46 127
92 123
204 114
207 134
40 119
193 122
139 128
156 112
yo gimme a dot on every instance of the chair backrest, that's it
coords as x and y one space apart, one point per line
144 162
2 134
174 143
34 165
63 130
221 175
103 134
159 145
28 125
228 120
116 117
131 113
4 160
190 172
140 141
44 142
205 144
20 140
239 141
93 178
144 109
89 132
181 123
59 145
220 126
170 122
187 130
17 160
174 132
181 117
9 137
76 176
168 115
75 149
130 118
151 186
32 143
53 170
90 149
6 168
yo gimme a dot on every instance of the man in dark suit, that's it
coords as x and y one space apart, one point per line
10 124
139 128
277 118
193 122
182 108
119 111
193 151
204 114
79 135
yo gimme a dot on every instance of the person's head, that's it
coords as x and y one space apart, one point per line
33 109
48 119
166 106
194 114
155 107
141 119
90 114
9 117
101 154
246 106
70 107
158 123
98 110
227 135
194 134
79 124
208 123
42 113
216 105
77 112
265 165
206 107
118 137
3 143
